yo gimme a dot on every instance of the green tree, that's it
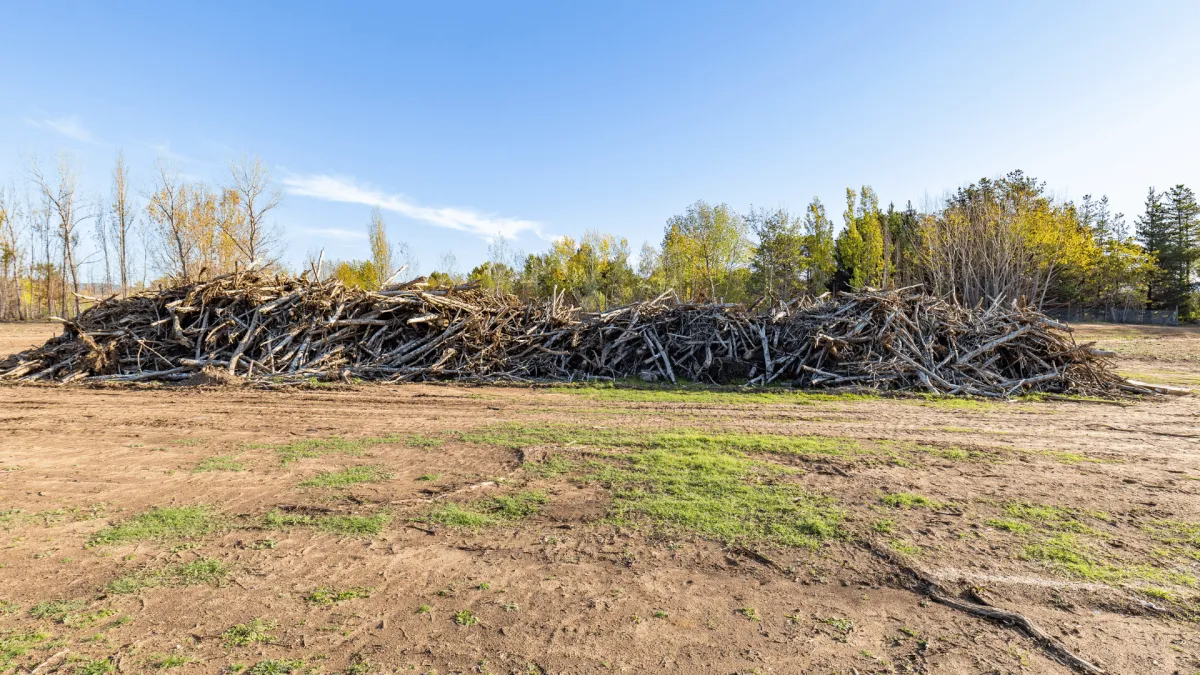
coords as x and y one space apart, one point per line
819 248
383 258
850 250
1168 230
778 265
703 250
874 267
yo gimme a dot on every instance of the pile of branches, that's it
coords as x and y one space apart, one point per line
258 326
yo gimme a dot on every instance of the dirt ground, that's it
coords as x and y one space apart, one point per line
441 528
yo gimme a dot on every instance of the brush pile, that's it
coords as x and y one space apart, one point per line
266 327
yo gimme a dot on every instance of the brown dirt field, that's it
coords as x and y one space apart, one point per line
15 337
1082 515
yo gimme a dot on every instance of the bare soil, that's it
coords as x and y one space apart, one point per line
569 589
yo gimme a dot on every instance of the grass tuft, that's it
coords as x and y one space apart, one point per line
350 476
219 463
327 596
56 610
196 572
15 644
337 524
276 667
184 522
492 511
316 447
908 500
257 631
717 492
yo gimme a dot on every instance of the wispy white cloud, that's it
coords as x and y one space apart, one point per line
335 189
164 150
335 233
67 126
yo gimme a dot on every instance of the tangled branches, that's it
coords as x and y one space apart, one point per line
261 327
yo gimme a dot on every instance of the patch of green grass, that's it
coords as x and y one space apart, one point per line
1175 532
350 476
219 463
56 610
316 447
491 511
95 667
1009 525
173 661
1158 594
183 522
883 525
959 402
551 467
200 571
1064 553
328 596
429 477
465 617
257 631
276 667
905 547
86 619
516 436
424 609
749 613
7 607
512 507
15 644
1068 457
337 524
1057 518
689 480
188 441
839 624
717 492
909 500
458 516
425 442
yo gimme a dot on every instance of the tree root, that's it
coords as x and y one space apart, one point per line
935 592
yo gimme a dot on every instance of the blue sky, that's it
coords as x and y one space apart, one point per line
464 120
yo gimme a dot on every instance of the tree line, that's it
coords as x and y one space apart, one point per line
993 240
997 239
59 248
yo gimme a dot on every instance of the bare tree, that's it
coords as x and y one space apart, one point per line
256 198
383 255
11 257
60 199
102 243
123 220
167 208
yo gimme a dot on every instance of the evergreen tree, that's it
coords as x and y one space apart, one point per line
1170 230
874 267
849 250
1183 218
819 248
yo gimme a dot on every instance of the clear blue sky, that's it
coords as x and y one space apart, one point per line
542 119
